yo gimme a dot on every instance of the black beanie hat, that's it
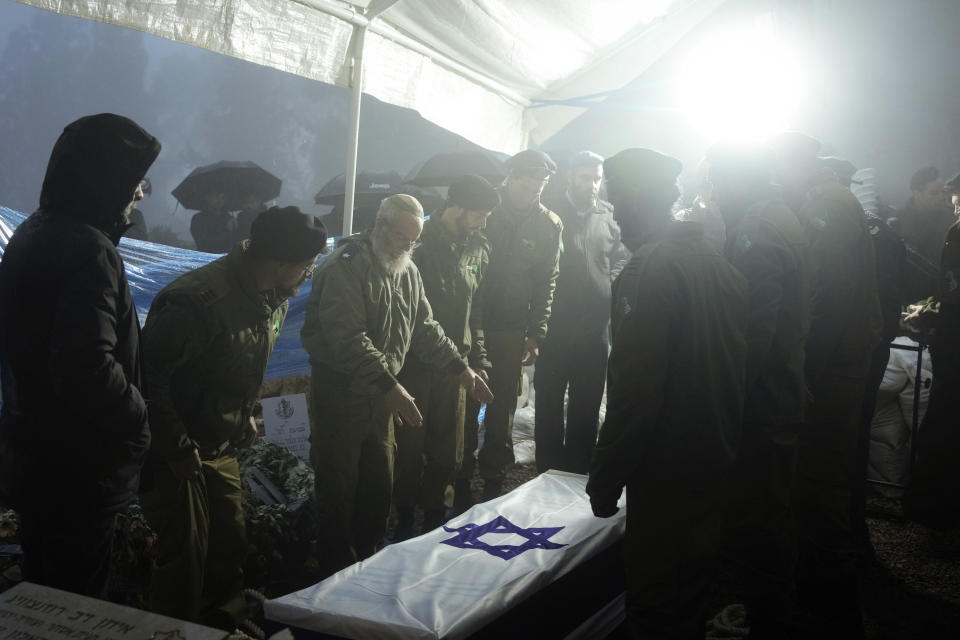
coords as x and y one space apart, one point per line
473 193
287 234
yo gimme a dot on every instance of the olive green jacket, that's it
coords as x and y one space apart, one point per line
452 271
846 323
517 292
206 343
675 380
768 246
361 322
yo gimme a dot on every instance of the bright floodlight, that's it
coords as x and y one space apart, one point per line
743 84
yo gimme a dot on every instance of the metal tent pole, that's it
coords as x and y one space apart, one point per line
353 135
357 41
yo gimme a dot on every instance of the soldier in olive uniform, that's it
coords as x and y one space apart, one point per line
452 260
674 398
932 496
366 311
515 298
766 243
206 343
845 326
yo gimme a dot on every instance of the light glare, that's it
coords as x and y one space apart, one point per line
743 84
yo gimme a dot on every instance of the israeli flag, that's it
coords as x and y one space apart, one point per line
455 580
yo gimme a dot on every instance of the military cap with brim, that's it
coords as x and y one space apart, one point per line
840 166
532 161
642 168
287 234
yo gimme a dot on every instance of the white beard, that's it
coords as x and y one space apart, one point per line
392 265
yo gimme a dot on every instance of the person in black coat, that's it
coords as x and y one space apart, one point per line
73 426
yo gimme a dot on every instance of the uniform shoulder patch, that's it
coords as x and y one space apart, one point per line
349 251
209 295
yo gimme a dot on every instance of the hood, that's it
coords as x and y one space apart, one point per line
95 167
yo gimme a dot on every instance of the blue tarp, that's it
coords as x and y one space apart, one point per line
150 267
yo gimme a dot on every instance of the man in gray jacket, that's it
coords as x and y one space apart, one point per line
573 357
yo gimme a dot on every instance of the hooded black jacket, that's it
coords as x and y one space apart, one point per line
73 427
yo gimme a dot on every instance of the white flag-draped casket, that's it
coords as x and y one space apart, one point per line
466 578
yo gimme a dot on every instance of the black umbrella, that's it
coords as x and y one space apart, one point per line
236 180
442 169
371 187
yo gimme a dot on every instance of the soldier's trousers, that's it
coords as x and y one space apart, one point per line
823 500
759 530
471 440
581 368
66 551
505 351
429 457
352 450
674 522
202 540
932 497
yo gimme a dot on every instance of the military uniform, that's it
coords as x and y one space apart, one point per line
932 496
574 355
361 322
429 456
674 401
768 246
515 297
207 339
846 325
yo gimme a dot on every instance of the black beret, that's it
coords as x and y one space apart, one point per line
287 234
642 168
532 160
923 177
473 193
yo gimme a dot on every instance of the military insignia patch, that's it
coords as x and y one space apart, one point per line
349 252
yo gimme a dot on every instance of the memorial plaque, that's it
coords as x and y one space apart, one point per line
29 611
287 424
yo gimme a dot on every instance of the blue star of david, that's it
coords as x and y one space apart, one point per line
468 537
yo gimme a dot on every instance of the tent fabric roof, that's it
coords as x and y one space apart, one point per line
471 66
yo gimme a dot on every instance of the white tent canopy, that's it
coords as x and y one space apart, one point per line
484 69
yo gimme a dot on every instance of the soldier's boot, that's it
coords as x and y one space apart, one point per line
433 518
492 487
404 528
462 497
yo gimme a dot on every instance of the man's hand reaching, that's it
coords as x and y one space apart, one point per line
402 404
476 386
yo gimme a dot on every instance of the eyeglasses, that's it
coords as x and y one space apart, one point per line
400 239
